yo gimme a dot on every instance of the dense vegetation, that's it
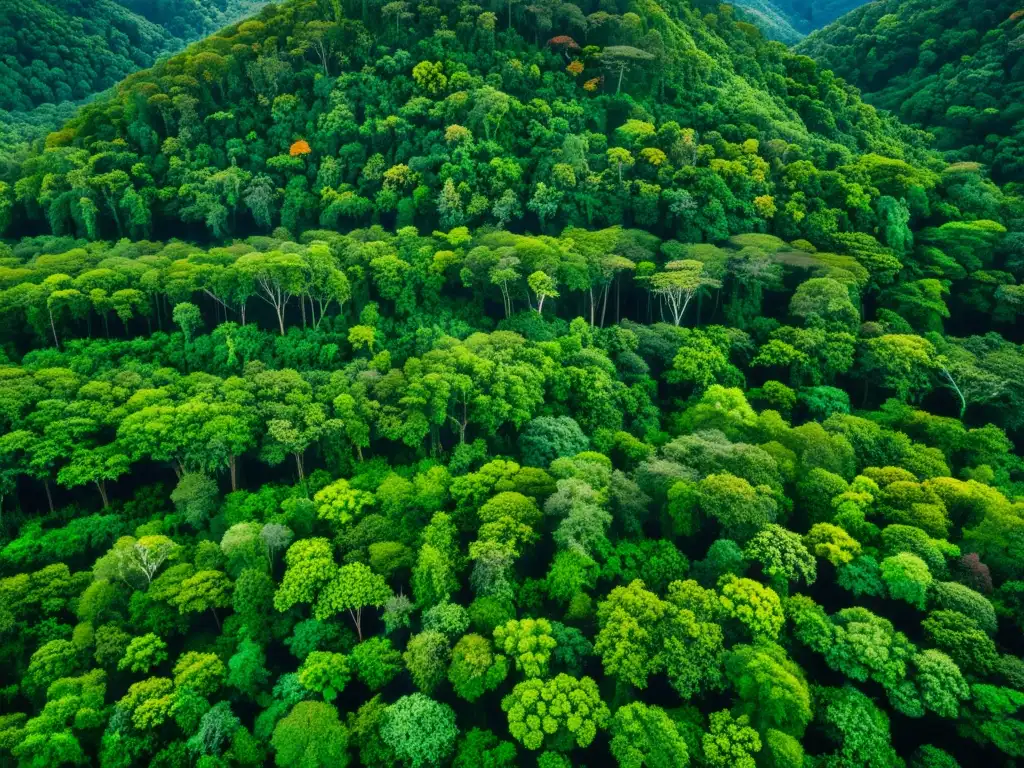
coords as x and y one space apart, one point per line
52 52
954 67
790 20
528 385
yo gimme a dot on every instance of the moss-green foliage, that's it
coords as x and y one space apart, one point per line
951 67
57 52
481 416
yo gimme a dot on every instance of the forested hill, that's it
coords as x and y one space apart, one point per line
52 52
953 67
790 20
442 385
675 118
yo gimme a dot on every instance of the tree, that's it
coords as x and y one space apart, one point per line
96 466
475 668
529 644
620 58
630 639
730 742
645 736
135 561
311 736
754 605
204 591
278 278
375 662
832 543
419 730
771 688
216 728
353 588
543 286
941 686
907 578
859 727
339 503
426 657
201 672
143 653
782 555
247 670
900 362
741 509
325 673
481 749
959 636
823 300
563 710
547 438
187 317
866 646
679 284
310 568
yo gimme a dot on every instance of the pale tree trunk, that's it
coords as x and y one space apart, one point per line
357 619
53 328
101 486
49 494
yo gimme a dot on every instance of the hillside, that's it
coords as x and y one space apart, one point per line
548 385
291 120
52 52
953 68
790 20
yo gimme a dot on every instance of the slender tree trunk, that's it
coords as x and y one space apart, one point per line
102 487
357 619
53 328
215 617
233 468
49 494
298 467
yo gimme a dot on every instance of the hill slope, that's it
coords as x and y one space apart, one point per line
65 51
635 401
955 68
663 120
790 20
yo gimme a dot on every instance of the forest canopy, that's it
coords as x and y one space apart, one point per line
954 68
554 384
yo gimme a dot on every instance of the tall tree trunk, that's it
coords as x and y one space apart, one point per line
53 328
357 619
101 486
49 494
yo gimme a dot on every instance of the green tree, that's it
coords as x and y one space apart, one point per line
325 673
475 668
644 735
353 588
143 653
730 741
419 730
564 711
528 642
310 736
